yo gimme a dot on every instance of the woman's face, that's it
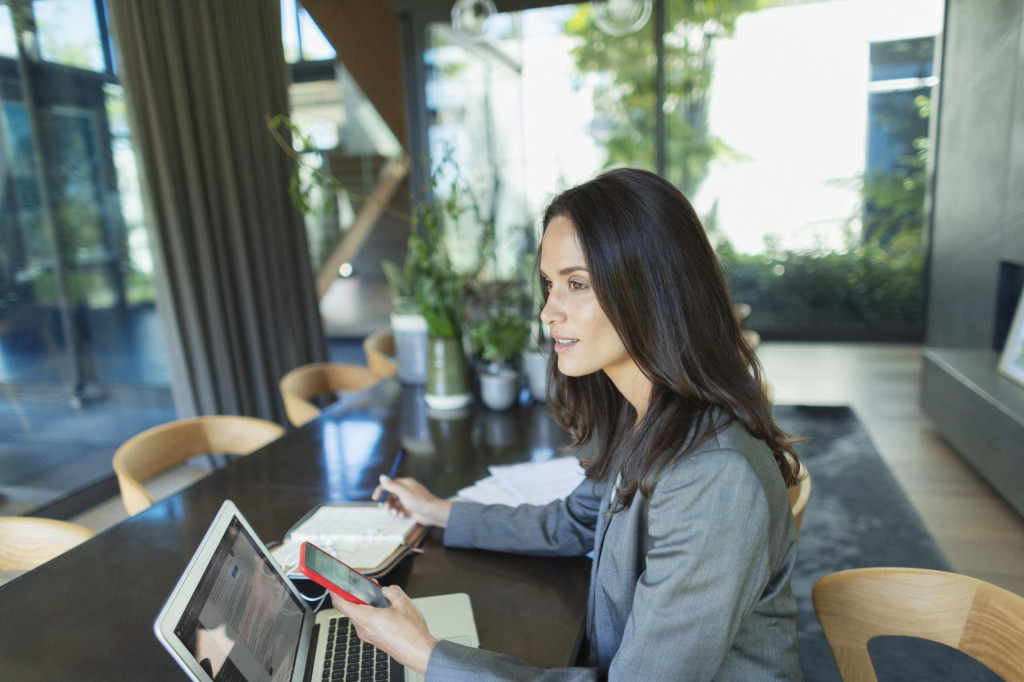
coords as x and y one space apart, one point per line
584 337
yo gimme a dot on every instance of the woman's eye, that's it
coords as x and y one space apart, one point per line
577 286
545 284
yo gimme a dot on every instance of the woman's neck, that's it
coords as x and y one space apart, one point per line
634 386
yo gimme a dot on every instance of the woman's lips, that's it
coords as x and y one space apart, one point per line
562 345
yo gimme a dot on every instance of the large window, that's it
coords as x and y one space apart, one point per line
82 356
82 359
798 130
816 197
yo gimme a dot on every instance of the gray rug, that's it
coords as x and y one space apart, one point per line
859 516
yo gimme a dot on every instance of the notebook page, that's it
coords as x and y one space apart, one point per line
361 536
353 524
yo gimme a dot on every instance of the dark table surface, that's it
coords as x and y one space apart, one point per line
88 614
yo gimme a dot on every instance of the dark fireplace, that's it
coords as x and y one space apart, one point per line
1011 281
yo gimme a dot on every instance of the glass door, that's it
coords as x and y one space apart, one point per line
82 357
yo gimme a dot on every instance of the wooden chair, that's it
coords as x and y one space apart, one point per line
164 446
981 620
379 348
27 542
799 494
302 384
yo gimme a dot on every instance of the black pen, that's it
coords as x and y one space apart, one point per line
394 472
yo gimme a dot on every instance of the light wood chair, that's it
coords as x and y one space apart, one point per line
379 348
302 384
164 446
981 620
799 494
27 542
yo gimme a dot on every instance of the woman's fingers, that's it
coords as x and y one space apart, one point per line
350 609
408 497
398 629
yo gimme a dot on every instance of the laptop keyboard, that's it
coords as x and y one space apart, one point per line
350 659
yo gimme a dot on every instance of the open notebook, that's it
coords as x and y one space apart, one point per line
364 536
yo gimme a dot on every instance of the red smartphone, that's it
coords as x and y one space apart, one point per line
339 577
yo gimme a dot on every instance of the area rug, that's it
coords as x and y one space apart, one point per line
859 516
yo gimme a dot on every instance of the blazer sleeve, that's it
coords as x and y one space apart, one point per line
560 528
450 662
708 523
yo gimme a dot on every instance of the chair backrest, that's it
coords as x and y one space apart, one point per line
160 447
379 348
26 542
799 494
981 620
302 384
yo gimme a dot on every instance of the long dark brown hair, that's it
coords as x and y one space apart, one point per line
660 284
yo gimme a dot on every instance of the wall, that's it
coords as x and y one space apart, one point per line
978 208
978 219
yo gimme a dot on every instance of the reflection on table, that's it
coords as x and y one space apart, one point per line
99 600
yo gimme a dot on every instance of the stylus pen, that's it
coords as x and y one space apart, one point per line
394 472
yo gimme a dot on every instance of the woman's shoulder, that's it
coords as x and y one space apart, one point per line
728 454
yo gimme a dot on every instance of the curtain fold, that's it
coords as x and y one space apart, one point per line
235 286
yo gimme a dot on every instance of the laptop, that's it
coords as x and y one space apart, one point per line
235 616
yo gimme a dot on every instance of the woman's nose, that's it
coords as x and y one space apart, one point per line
551 313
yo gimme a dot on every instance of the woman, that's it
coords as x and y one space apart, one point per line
685 505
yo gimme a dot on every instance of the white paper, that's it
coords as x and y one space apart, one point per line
489 491
527 483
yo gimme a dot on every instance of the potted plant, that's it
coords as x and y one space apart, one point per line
535 361
497 338
439 289
535 356
314 192
407 323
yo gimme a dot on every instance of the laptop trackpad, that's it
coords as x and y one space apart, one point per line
449 617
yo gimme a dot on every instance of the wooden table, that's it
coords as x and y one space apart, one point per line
88 615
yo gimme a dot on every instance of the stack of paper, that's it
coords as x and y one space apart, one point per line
527 483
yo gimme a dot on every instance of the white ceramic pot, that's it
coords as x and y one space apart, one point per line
411 347
498 390
535 364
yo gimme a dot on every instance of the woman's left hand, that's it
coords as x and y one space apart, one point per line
398 629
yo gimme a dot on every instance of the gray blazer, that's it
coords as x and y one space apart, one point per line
692 583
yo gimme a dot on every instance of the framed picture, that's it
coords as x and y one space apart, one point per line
1011 364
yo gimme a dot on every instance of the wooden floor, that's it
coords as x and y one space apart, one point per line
980 534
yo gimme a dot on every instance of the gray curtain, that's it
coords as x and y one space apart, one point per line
235 286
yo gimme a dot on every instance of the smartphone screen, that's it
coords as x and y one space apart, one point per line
348 580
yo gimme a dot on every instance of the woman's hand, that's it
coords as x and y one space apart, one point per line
408 497
398 629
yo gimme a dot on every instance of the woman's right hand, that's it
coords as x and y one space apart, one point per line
408 497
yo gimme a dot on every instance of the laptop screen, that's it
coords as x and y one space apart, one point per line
242 623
